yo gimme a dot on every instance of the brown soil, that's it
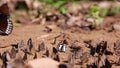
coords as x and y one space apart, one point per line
37 33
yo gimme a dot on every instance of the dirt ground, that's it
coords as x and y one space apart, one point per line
37 31
39 34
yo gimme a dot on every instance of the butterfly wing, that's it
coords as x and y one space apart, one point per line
6 25
4 9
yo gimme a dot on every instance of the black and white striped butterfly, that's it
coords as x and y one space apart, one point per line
6 25
62 46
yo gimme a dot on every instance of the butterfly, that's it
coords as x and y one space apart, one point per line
6 25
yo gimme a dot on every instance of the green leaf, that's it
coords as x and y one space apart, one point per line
63 10
104 11
94 8
59 4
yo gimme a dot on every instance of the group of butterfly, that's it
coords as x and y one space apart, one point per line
6 25
22 52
